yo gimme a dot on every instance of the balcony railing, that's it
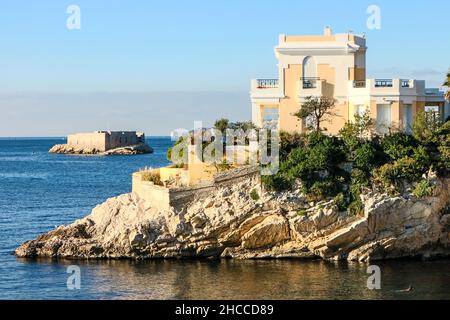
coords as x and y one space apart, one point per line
359 84
405 83
309 83
267 83
383 83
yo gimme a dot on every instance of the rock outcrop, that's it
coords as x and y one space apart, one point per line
230 224
129 150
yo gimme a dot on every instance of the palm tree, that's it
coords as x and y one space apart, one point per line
447 84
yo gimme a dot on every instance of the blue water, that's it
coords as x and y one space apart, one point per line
39 191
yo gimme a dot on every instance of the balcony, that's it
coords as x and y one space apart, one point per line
309 83
386 88
310 87
267 83
405 83
383 83
266 90
359 84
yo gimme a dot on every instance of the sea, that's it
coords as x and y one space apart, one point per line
39 191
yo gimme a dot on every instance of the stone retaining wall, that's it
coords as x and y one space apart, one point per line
164 198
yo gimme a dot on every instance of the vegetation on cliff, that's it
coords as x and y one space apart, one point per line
342 167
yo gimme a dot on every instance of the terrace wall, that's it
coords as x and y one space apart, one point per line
178 198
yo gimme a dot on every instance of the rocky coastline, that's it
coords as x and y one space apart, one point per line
142 148
232 224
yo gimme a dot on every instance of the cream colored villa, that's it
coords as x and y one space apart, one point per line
334 65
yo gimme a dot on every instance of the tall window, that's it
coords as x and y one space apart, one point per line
383 118
309 68
309 73
270 117
407 118
360 110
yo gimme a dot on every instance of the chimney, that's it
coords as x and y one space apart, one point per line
327 31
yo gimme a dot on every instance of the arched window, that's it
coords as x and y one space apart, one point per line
309 73
309 68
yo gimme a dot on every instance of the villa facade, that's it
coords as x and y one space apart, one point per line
334 66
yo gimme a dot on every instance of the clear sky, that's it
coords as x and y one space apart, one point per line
160 65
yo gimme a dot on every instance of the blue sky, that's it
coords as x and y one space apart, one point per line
198 48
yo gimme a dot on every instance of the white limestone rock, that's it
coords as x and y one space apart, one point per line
228 223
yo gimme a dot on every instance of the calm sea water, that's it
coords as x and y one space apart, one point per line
39 191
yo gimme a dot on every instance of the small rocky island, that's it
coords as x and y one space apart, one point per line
104 143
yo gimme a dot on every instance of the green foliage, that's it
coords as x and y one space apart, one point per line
340 201
447 84
426 127
322 189
366 157
221 124
407 169
316 110
254 195
398 145
223 166
349 134
277 182
423 189
243 125
356 208
302 212
342 168
353 132
151 176
316 164
359 181
289 142
180 141
443 139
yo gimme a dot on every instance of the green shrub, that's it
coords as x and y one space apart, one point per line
276 182
316 165
426 127
223 166
356 208
366 157
443 163
322 189
383 162
254 195
289 142
404 169
340 201
423 189
302 212
359 181
350 135
181 142
422 159
398 145
151 176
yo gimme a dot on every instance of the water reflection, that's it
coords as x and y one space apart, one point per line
230 279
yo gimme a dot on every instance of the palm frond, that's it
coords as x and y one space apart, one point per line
447 82
447 95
